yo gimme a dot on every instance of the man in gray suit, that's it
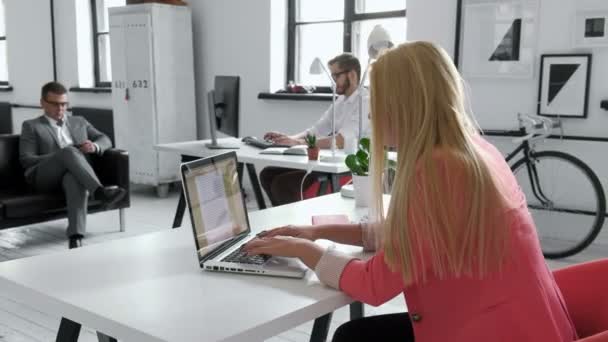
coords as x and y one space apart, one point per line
54 149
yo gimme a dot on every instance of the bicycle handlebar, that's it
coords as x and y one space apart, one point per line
537 123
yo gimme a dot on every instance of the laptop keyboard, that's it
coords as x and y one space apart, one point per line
239 256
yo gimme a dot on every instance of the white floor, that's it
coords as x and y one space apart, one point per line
22 323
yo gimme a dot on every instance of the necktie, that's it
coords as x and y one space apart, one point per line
62 140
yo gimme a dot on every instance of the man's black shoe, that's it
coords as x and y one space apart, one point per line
109 195
75 241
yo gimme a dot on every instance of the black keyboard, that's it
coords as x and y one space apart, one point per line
239 256
263 144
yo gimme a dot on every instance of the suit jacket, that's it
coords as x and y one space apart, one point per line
39 140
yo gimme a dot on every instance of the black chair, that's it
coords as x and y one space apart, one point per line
20 205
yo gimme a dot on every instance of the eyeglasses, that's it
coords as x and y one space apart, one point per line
57 104
337 74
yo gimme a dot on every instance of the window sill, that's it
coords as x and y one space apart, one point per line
294 97
6 88
91 90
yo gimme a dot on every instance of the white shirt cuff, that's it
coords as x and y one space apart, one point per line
330 267
368 235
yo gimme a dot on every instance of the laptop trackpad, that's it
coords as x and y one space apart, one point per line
284 263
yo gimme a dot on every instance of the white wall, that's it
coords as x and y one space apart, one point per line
232 37
30 63
495 102
247 38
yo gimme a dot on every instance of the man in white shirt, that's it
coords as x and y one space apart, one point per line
283 185
54 149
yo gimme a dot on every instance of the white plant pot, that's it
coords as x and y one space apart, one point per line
363 190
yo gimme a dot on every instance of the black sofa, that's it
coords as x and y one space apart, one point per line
19 205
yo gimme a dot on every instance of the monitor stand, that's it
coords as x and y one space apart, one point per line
213 145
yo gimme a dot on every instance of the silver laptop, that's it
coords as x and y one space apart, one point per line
220 222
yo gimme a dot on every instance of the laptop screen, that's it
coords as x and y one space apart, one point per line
217 208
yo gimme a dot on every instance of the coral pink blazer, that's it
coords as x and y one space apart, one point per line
522 303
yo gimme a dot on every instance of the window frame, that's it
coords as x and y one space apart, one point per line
350 16
4 83
96 35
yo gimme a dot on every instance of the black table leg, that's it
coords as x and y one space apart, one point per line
68 331
356 310
322 188
239 170
320 329
181 208
257 190
105 338
335 182
181 204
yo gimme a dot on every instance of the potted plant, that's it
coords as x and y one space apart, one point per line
358 163
313 149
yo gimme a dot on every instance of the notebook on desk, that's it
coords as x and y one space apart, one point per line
297 150
329 219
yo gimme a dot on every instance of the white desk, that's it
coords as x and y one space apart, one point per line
150 288
249 155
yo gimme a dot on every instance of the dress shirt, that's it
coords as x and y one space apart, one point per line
347 116
61 131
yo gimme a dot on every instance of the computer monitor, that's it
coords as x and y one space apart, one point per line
223 105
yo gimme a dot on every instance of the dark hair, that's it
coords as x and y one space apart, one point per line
347 61
53 87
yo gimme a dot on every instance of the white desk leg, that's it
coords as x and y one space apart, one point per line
121 218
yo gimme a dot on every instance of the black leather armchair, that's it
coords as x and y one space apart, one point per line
19 205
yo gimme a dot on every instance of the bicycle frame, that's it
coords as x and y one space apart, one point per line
528 151
545 202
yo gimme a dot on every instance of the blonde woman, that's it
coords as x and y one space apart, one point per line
457 241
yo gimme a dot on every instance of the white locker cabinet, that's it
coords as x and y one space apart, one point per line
153 95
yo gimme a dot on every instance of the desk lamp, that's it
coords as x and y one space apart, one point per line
317 68
378 41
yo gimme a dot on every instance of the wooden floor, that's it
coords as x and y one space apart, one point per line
22 323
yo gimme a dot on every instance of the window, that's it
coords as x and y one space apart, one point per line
101 40
3 62
326 28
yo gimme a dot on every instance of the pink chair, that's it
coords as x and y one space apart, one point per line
585 290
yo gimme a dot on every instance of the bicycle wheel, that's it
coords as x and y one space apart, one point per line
565 198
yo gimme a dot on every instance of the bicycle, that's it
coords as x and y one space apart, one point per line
566 224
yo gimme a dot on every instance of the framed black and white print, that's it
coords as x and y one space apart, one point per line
496 38
590 29
563 88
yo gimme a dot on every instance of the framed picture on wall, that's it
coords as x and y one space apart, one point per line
590 29
563 88
496 38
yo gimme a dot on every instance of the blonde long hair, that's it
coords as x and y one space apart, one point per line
417 100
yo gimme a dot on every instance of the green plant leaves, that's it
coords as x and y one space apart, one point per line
358 163
364 144
352 162
311 140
